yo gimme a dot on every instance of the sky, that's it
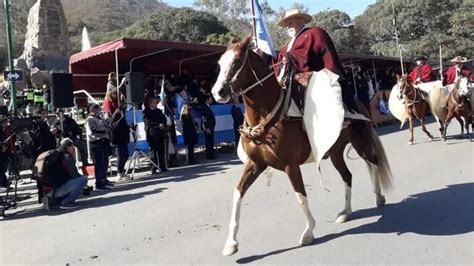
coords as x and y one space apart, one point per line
351 7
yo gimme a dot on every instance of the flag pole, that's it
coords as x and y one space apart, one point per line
441 61
254 22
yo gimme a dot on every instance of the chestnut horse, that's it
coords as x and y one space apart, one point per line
458 106
415 105
283 144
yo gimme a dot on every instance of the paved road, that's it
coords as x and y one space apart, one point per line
182 218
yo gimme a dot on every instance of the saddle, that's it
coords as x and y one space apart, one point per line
296 86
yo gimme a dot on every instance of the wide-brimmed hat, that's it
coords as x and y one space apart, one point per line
421 57
459 59
65 143
294 13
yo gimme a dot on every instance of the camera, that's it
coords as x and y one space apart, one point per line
87 190
19 124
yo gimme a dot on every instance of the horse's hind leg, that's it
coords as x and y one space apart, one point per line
294 173
468 119
251 171
410 123
369 148
446 124
337 159
423 127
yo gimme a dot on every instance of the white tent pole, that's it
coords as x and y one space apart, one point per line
354 79
117 76
375 75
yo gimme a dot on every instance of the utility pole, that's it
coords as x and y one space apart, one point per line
10 56
397 36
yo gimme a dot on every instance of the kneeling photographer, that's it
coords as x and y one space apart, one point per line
57 170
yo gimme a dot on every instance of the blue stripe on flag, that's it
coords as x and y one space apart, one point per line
224 131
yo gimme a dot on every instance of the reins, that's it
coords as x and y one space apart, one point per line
255 131
258 82
409 101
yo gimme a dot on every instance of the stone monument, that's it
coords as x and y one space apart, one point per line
47 44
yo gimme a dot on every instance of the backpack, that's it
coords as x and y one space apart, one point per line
49 168
71 129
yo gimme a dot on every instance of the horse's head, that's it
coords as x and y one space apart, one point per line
463 84
234 70
403 84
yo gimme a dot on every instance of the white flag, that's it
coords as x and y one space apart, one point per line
264 41
86 43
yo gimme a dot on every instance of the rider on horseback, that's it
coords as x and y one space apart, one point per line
457 70
310 49
422 72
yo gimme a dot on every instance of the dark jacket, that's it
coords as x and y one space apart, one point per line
71 129
190 136
237 116
153 119
43 139
208 120
120 128
171 128
57 173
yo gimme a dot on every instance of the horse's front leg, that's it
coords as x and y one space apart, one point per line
251 171
441 129
410 124
461 123
294 173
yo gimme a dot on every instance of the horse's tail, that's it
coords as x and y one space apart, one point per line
380 169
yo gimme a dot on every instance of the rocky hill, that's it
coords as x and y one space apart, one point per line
107 15
104 19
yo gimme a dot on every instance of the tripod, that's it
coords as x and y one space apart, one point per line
137 152
10 201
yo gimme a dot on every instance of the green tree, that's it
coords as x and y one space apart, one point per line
19 19
220 39
232 13
107 15
423 25
339 26
180 24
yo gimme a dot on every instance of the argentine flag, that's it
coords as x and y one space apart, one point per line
264 41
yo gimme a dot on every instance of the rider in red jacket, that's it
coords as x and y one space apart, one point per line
312 49
423 72
456 70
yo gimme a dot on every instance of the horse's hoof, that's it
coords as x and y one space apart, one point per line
443 139
230 249
307 239
342 218
410 143
430 139
380 201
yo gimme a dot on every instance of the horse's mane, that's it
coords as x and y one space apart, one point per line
240 45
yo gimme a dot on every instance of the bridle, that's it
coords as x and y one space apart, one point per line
415 91
457 88
255 84
245 129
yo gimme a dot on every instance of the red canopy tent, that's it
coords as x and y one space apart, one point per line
90 67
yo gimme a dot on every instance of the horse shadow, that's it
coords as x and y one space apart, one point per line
442 212
387 129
